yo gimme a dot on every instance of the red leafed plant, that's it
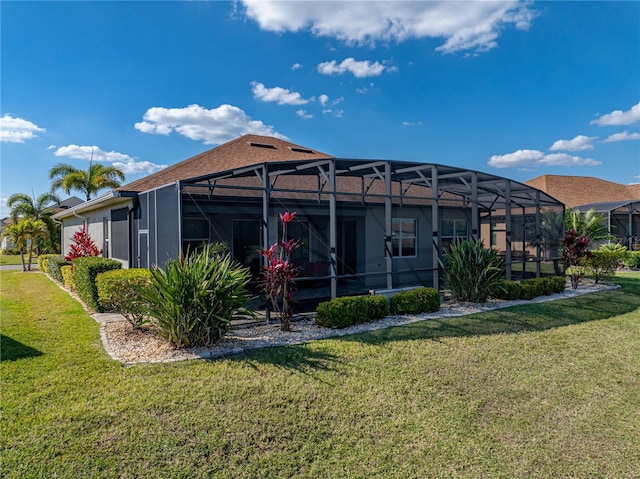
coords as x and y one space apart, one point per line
82 245
279 274
575 253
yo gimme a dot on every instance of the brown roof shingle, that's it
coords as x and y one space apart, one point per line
244 151
583 190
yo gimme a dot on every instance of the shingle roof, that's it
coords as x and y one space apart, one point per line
244 151
582 190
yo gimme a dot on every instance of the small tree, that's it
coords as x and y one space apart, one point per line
24 235
279 274
82 246
575 254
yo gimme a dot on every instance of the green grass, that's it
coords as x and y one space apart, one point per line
537 391
13 259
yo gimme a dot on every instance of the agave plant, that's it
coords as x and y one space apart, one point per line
195 298
471 271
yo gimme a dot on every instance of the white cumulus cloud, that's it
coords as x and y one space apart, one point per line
579 143
281 96
323 99
623 136
213 127
304 115
296 66
128 164
17 130
471 25
534 158
359 69
619 117
411 123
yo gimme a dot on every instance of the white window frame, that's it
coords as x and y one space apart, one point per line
456 234
397 233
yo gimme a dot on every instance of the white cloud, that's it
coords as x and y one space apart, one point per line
360 69
4 209
366 89
213 127
332 112
17 130
304 115
411 123
296 66
533 158
128 164
619 117
579 143
623 136
282 96
323 99
463 25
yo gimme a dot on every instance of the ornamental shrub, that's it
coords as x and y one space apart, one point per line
85 271
507 289
575 254
415 301
632 259
196 296
83 246
471 271
54 265
119 291
43 262
532 288
67 276
350 310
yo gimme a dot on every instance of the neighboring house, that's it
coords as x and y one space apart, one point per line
363 224
620 204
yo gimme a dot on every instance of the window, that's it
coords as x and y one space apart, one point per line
403 238
451 230
195 232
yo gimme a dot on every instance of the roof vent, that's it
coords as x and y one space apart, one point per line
262 145
301 150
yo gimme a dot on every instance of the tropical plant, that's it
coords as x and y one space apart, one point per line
590 224
196 296
279 274
41 208
89 182
575 252
605 260
24 235
82 246
471 271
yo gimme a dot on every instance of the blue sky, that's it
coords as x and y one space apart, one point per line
511 88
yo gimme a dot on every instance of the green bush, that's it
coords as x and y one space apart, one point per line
415 301
350 310
85 270
54 265
471 271
119 291
195 298
530 288
43 261
507 289
67 276
556 284
632 259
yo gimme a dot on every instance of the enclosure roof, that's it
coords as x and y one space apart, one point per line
243 151
607 206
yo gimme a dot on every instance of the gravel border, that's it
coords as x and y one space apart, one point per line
130 347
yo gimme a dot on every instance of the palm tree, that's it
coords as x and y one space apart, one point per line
88 181
24 235
551 228
590 224
41 208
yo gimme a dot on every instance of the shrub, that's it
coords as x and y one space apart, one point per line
119 291
575 255
67 276
350 310
415 301
43 262
83 246
85 271
55 263
507 289
471 271
632 259
557 284
195 298
532 288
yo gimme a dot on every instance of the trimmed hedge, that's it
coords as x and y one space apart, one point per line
67 276
632 259
85 271
350 310
530 288
119 291
54 265
43 261
415 301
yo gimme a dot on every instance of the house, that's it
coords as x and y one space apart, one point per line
363 224
619 204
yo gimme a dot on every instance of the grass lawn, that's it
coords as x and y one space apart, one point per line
12 259
537 391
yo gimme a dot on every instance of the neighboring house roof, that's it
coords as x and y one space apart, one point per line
68 203
244 151
581 190
608 206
